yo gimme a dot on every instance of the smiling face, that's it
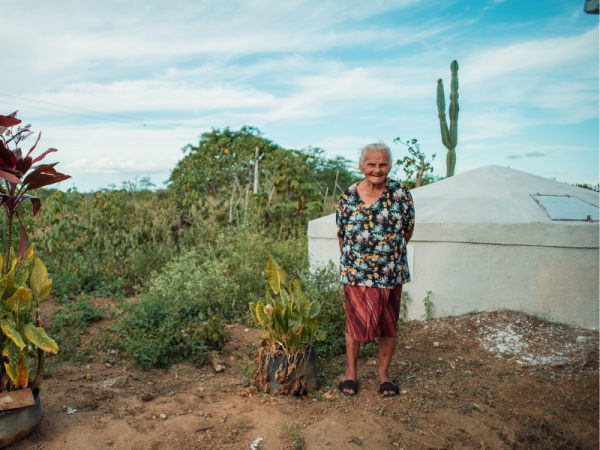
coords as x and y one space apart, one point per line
375 166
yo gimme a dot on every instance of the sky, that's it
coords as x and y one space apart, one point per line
120 87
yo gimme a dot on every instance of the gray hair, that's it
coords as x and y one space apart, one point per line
376 146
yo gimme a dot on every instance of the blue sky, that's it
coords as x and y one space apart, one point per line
150 77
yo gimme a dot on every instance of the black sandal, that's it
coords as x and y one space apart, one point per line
348 384
389 387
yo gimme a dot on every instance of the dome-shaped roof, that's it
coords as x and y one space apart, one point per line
495 194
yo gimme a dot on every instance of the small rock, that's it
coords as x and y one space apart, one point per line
403 420
108 365
147 397
478 407
436 344
246 330
114 352
163 416
395 444
582 339
404 392
556 364
408 347
200 413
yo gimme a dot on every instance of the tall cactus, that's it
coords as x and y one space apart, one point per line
449 136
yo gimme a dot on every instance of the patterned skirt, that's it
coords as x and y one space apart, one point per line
371 312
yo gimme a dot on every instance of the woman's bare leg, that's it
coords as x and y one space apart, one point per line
386 351
352 348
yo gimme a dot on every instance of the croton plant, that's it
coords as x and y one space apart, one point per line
24 281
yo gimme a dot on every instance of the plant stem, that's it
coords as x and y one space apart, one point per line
8 243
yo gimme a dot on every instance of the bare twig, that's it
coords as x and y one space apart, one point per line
428 445
447 442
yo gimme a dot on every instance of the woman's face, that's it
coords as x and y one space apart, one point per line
376 166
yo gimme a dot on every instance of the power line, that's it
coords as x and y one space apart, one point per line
80 115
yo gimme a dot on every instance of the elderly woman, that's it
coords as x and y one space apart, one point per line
375 219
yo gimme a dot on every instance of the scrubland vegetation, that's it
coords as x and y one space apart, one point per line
192 254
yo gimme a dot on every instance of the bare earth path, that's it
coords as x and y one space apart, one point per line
485 381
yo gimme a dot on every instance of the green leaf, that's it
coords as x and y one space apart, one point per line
262 315
303 302
39 281
23 272
276 276
279 318
293 343
43 390
312 325
12 352
315 309
295 321
252 307
269 298
7 283
321 335
5 310
19 299
8 327
39 338
285 298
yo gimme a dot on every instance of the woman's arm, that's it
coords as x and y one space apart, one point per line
407 235
341 243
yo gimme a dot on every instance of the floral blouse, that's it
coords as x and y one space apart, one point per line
374 249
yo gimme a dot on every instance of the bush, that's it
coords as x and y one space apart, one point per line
176 316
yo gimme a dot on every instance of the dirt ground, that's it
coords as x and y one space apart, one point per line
481 381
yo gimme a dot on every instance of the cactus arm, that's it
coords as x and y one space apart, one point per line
441 104
450 163
453 109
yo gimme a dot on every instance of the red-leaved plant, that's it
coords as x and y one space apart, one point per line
21 176
24 282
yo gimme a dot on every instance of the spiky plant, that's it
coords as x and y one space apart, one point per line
449 135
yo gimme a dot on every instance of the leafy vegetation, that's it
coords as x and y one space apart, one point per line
24 283
415 164
289 321
193 254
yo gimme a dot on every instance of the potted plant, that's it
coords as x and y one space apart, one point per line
24 283
286 361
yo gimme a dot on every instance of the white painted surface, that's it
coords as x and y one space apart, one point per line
482 243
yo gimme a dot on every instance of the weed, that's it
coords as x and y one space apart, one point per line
68 324
293 432
428 307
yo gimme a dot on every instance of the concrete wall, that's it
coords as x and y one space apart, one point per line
534 274
558 284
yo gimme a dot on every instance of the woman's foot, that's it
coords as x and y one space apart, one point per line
348 387
386 387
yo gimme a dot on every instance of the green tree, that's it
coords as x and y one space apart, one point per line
220 168
415 164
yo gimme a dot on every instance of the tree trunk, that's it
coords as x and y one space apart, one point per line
420 172
256 158
231 204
